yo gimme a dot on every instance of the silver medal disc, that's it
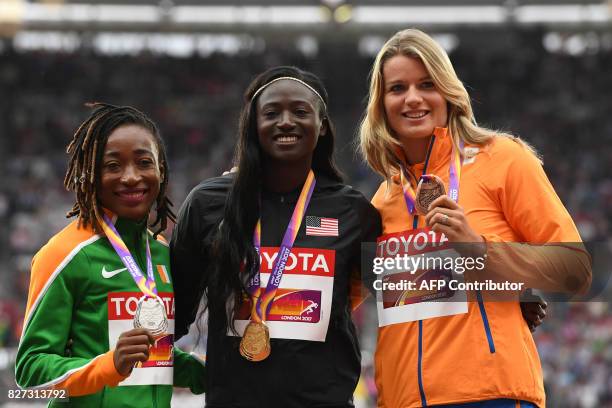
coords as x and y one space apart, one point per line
151 315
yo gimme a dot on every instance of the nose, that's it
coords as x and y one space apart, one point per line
285 121
130 175
413 97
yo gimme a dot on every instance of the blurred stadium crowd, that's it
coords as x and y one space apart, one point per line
559 103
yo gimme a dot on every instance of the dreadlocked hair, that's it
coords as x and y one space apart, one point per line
86 150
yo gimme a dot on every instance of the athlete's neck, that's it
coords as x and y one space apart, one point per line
282 177
415 150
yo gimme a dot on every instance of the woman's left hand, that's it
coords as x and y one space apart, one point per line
446 216
534 312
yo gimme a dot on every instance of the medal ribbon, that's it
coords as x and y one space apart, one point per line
145 284
261 303
453 184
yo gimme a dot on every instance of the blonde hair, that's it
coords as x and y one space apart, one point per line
376 140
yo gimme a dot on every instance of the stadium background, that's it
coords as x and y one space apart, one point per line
542 69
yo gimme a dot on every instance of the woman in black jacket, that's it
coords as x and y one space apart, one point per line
299 348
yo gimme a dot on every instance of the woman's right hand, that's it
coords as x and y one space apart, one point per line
132 347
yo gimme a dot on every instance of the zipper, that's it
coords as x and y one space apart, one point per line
415 224
154 391
140 247
420 364
485 322
415 219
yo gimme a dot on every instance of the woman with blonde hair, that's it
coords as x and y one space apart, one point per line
460 183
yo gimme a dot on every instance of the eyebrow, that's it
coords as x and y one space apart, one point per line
396 81
294 102
114 153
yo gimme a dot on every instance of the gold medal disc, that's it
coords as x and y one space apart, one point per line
427 192
255 343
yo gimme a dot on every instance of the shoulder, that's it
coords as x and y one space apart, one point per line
386 193
160 239
202 209
501 159
337 190
509 150
206 198
362 213
64 246
358 201
215 188
379 196
63 252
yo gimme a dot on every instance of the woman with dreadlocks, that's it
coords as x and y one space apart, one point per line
99 318
272 316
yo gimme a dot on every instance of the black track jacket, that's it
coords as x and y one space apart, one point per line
297 373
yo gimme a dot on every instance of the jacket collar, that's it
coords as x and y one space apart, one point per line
127 228
438 156
323 183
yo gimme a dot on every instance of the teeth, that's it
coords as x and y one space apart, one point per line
133 195
415 115
287 138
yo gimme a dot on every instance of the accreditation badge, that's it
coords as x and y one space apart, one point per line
122 307
301 307
415 284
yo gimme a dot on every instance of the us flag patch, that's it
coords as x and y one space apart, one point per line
323 227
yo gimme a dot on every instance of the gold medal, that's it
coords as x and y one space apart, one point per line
255 343
427 191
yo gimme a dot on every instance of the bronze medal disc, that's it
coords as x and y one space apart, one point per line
427 191
255 343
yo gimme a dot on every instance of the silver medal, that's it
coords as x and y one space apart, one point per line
151 315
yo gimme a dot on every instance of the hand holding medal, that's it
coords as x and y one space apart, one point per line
132 348
441 211
446 216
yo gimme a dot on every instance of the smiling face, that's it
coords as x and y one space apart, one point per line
130 173
413 105
288 121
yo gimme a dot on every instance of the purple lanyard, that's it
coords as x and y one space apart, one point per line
453 182
145 284
262 303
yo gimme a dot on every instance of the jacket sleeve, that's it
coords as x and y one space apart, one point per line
551 255
363 277
189 371
188 262
41 357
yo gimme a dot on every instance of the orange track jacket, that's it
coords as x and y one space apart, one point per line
488 352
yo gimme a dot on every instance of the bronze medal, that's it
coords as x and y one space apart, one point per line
427 191
255 343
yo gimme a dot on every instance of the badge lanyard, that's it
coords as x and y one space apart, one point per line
262 302
453 183
145 283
